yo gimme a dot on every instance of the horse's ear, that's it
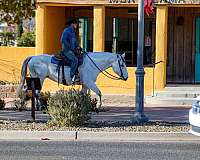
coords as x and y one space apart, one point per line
123 55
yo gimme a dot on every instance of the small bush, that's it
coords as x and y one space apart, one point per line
21 104
69 108
2 104
26 40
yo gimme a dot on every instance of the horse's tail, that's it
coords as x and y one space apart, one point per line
23 75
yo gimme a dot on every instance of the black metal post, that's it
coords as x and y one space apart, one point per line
139 116
33 99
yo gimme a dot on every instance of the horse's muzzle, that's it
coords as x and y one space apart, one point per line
125 78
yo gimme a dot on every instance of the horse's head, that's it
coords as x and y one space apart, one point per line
119 66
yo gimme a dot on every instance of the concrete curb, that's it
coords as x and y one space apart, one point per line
38 135
137 136
97 136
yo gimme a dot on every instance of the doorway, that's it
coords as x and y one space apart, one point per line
85 31
180 55
197 51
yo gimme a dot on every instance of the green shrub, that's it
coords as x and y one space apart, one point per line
69 108
2 104
26 40
7 38
21 104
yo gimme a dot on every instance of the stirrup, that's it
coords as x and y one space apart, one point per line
73 79
76 78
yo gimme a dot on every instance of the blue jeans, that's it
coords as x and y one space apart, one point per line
73 59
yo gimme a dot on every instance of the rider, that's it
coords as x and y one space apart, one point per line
70 46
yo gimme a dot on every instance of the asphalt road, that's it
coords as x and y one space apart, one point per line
52 150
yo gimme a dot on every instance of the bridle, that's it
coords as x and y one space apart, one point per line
107 73
121 65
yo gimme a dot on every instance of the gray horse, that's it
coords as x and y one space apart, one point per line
93 64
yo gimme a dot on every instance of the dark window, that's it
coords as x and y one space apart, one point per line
121 36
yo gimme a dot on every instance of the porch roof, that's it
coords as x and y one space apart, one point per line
89 1
118 1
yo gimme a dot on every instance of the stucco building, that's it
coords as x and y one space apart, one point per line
172 37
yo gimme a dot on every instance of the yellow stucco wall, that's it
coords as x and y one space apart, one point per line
55 17
11 59
49 25
40 29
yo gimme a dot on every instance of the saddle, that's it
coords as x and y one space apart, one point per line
61 62
59 59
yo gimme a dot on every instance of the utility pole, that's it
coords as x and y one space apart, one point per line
139 116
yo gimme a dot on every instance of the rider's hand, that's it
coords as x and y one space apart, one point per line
78 50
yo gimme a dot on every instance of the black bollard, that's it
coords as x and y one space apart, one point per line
33 84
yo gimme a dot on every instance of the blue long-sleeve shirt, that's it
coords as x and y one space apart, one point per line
68 39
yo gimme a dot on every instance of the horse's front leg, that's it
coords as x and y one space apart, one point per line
84 89
94 88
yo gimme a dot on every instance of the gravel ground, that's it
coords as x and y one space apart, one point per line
99 126
152 126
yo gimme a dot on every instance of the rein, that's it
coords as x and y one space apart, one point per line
108 74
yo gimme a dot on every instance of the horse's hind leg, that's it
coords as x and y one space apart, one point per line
36 71
37 95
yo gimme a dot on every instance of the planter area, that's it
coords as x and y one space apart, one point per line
8 91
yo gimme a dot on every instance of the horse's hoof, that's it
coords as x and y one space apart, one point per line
96 110
64 82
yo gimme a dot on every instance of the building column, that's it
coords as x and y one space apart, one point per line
99 29
50 23
161 46
40 29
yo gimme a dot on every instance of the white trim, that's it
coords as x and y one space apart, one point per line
195 133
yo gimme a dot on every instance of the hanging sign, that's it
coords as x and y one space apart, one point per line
178 1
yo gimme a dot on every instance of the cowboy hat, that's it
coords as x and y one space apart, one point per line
72 21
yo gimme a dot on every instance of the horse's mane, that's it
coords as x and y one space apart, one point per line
90 53
97 54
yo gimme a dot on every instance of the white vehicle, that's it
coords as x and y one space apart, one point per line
194 117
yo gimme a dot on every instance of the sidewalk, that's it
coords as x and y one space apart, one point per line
153 112
114 113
